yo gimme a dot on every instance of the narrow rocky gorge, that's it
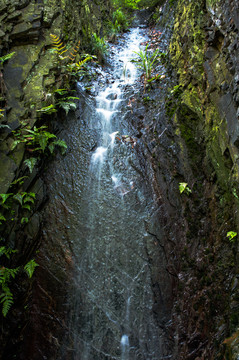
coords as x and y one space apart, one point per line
184 130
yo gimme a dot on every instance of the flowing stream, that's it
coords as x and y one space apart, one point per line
110 298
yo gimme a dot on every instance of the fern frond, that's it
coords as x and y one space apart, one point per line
63 52
30 267
61 48
75 50
6 300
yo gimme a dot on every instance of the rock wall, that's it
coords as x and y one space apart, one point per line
27 83
188 129
199 147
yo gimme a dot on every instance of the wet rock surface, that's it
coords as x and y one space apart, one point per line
186 126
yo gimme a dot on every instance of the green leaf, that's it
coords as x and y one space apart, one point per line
48 109
6 57
68 104
14 144
5 197
184 187
43 140
6 252
62 145
28 199
231 235
61 91
51 147
26 206
2 250
18 197
24 220
19 180
30 267
30 163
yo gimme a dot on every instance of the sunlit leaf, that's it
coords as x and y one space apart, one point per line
231 235
183 187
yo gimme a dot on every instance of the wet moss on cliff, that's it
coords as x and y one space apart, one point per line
204 114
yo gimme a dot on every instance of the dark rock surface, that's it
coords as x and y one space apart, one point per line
187 130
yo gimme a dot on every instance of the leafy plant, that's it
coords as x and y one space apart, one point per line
7 274
37 139
31 162
30 267
76 67
61 49
99 47
19 181
68 103
231 235
127 4
146 61
23 198
6 252
120 20
24 220
183 187
48 109
60 143
6 295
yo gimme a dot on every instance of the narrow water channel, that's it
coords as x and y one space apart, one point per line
110 297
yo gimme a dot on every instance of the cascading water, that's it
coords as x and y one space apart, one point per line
111 299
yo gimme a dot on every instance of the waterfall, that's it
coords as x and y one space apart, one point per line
111 299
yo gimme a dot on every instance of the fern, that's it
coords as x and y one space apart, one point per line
19 181
61 91
80 64
67 103
67 106
74 52
61 48
6 295
6 251
5 197
58 44
30 267
48 109
6 300
30 163
60 143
